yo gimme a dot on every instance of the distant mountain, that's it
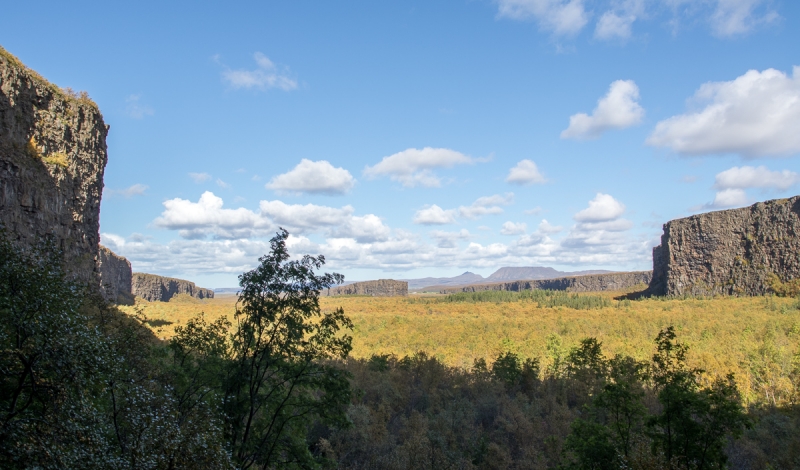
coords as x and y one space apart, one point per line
534 273
528 273
463 279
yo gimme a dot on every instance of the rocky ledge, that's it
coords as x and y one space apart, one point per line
379 288
587 283
152 288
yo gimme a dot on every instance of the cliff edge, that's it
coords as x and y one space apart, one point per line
52 158
379 288
115 277
732 252
585 283
152 288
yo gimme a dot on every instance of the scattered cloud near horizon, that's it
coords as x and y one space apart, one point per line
755 115
318 177
525 172
414 167
199 177
567 18
137 189
486 205
266 75
618 109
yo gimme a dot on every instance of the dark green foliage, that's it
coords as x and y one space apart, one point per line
277 383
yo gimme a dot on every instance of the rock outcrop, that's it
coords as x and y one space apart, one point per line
116 277
587 283
152 288
731 252
52 159
379 288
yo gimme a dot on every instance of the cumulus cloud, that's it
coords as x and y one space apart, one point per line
199 177
602 208
512 228
434 215
313 177
486 205
728 198
548 228
617 23
755 177
525 172
266 75
135 109
413 167
618 109
755 115
450 239
561 17
222 184
208 217
735 17
133 190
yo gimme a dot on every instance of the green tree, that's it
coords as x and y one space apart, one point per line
278 382
693 426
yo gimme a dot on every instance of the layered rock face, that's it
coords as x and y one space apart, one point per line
158 288
52 158
115 277
588 283
729 252
379 288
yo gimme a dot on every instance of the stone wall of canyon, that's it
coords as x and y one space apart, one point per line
153 288
379 288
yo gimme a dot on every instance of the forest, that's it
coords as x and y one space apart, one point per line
279 383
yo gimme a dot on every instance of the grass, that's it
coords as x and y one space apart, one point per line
757 338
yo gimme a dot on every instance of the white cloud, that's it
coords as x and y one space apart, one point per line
536 210
413 167
450 239
755 115
434 215
728 198
199 177
222 184
617 110
135 109
511 228
561 17
134 190
208 217
265 76
525 172
601 209
313 177
486 205
616 23
732 17
548 228
755 177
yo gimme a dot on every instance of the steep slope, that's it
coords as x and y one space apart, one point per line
158 288
729 252
52 158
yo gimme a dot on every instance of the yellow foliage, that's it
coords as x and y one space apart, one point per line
58 158
790 288
32 147
755 337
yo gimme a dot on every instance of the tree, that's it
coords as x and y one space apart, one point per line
278 382
692 428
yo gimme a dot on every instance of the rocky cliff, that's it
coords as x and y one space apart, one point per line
379 288
52 158
587 283
115 277
152 288
729 252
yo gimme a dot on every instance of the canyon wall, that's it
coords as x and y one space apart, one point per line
732 252
379 288
115 276
152 288
52 158
587 283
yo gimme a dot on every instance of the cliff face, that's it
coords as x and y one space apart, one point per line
379 288
115 277
588 283
729 252
52 158
157 288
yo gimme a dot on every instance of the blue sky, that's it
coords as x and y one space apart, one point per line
407 139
